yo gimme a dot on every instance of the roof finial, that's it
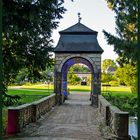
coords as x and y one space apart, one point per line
79 18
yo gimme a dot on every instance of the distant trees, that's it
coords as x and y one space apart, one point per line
22 76
80 68
72 77
106 76
126 75
106 64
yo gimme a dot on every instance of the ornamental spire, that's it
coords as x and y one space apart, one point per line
79 18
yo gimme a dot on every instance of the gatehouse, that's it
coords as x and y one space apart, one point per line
77 44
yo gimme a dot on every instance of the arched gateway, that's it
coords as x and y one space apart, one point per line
77 44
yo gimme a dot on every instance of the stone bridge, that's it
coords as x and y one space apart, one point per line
75 119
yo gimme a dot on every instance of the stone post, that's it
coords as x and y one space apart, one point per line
96 89
64 85
58 85
13 121
121 125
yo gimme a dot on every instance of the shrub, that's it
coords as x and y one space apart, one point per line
125 103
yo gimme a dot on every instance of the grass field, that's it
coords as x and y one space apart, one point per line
118 91
45 90
30 93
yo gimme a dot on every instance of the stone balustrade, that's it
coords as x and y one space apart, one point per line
20 116
116 119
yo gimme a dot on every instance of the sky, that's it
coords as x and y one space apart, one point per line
96 15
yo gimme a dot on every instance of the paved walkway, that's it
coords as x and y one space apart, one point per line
74 120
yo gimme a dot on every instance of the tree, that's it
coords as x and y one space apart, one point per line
125 43
127 75
80 68
77 68
107 77
107 63
73 78
21 77
26 36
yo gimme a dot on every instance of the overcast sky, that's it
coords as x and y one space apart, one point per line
95 15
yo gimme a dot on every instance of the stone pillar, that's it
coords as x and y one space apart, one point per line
57 87
64 84
121 125
91 93
96 89
55 79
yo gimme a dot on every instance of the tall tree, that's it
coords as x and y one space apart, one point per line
73 79
125 42
26 35
127 75
106 76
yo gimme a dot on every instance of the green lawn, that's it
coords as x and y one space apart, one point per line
30 93
45 90
79 88
38 87
112 90
117 91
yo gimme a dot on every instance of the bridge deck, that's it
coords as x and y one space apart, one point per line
74 120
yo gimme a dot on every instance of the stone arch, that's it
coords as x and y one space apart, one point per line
77 55
67 64
60 82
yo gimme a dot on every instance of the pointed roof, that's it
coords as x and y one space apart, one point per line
78 28
111 69
78 39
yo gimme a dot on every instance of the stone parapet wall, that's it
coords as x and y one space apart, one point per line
43 105
116 119
20 116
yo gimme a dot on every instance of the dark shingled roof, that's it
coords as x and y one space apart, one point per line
78 39
111 69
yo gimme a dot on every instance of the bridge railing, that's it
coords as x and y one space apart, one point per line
20 116
116 119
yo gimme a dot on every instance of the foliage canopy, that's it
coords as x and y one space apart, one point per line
26 36
125 43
